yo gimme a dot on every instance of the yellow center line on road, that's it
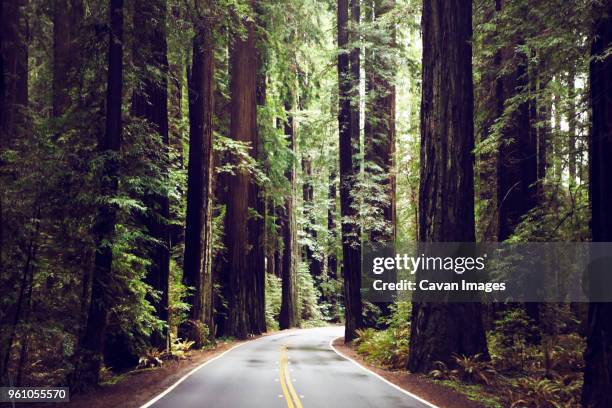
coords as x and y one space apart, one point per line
293 401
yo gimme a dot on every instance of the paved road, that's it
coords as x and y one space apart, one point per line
294 369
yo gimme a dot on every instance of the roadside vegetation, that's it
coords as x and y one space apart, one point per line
520 373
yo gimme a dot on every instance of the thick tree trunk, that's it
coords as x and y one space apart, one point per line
349 145
380 124
87 370
150 102
598 353
256 227
243 128
446 202
289 313
519 161
197 264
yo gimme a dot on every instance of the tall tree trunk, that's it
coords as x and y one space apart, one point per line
87 370
379 129
150 102
598 353
446 202
221 124
197 264
289 313
243 128
351 243
256 227
519 164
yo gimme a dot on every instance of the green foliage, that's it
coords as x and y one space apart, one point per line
471 369
308 297
508 342
179 349
533 393
273 301
389 347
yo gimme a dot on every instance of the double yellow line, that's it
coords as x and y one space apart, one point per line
293 401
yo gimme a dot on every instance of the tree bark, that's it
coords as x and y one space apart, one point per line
347 112
256 255
243 128
289 313
598 353
446 202
150 102
87 370
197 264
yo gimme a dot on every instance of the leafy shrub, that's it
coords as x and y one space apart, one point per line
273 301
471 369
536 394
508 343
475 369
387 347
179 349
308 297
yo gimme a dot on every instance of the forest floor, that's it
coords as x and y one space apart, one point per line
437 394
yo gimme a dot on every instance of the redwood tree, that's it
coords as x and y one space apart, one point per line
289 314
598 353
446 199
87 370
351 245
197 263
243 128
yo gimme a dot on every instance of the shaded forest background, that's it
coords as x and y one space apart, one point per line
173 172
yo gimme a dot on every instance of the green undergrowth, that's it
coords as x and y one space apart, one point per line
529 367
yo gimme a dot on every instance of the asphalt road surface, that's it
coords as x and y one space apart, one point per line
293 369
